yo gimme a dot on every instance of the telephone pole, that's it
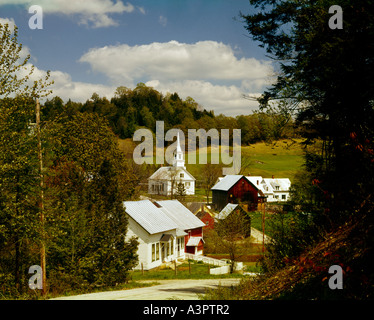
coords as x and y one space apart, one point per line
41 201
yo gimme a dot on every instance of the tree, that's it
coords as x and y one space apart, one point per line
88 181
326 76
210 173
181 190
11 68
20 228
232 234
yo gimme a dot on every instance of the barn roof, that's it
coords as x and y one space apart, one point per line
227 182
230 207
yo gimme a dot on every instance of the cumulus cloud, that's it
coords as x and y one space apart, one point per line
208 71
226 99
174 60
10 22
93 13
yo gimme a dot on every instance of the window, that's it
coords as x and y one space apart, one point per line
180 156
277 188
182 175
153 252
157 251
172 247
187 184
283 197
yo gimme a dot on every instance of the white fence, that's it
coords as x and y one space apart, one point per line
212 261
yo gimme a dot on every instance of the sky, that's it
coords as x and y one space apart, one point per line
197 48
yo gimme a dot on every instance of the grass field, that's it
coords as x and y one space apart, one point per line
282 158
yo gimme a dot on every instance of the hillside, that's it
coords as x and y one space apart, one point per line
282 158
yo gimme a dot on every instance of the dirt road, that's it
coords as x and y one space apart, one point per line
166 290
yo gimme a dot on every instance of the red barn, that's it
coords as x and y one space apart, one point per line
204 213
235 189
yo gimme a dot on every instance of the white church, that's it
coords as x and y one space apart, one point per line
166 179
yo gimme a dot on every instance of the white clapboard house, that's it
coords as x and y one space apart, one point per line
166 230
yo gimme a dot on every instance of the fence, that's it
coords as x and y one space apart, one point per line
207 260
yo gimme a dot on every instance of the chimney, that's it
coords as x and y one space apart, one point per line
272 176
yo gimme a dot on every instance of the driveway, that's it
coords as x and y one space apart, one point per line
166 290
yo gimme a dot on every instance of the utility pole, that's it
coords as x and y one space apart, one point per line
41 201
263 224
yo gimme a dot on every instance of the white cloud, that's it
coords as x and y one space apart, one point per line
208 71
163 21
93 13
174 60
10 22
65 87
220 98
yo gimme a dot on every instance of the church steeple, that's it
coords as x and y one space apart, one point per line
178 158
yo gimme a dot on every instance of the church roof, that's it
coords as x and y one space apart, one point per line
166 173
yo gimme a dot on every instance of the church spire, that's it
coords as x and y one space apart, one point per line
178 158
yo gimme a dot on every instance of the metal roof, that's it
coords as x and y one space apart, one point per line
150 217
230 207
183 217
227 182
162 216
194 241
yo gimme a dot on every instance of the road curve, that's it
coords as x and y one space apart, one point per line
166 290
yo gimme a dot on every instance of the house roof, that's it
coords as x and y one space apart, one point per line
150 217
230 207
227 182
284 184
166 173
183 217
161 216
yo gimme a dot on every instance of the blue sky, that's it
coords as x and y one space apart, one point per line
193 47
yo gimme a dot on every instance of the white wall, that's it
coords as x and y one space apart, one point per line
145 245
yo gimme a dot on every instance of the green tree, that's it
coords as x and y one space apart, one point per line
89 180
20 228
327 76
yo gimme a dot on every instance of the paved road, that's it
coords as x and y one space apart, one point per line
166 290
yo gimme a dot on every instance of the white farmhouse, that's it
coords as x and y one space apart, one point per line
275 189
166 179
165 231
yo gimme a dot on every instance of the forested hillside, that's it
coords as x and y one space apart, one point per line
142 106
